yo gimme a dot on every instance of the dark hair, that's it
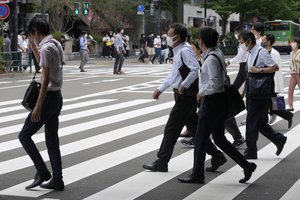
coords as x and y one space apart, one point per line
297 40
209 36
196 44
179 29
5 35
246 35
259 27
40 25
119 29
271 38
238 28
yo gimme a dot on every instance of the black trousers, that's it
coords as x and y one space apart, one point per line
49 118
212 121
230 126
257 121
184 111
241 76
284 114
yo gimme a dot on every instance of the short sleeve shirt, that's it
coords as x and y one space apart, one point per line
51 56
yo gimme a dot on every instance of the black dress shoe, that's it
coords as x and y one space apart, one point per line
38 179
290 121
249 156
280 145
186 133
54 185
248 172
216 162
191 179
156 168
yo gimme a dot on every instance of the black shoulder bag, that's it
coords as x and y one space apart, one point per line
234 100
31 94
260 86
184 72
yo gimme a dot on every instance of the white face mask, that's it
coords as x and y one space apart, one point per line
170 41
85 35
244 47
236 36
294 45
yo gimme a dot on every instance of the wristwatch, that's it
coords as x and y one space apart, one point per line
261 71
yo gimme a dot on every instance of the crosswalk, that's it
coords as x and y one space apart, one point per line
105 139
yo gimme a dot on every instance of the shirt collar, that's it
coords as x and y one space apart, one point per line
177 48
255 48
206 52
46 39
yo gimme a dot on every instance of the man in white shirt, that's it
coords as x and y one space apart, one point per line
84 51
259 64
157 47
267 42
48 106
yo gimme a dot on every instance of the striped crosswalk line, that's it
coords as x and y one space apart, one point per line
91 121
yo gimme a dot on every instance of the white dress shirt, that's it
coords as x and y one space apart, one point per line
212 75
278 78
174 79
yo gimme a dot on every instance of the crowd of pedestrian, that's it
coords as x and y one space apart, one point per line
197 76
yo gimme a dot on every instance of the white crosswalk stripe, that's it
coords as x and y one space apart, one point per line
118 133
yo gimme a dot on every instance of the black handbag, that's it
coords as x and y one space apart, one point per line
184 72
234 100
260 86
31 94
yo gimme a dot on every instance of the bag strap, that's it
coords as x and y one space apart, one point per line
55 43
221 65
33 78
254 63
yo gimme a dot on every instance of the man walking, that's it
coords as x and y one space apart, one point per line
119 51
185 91
48 106
84 51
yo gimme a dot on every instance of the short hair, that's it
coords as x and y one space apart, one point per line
271 38
297 40
259 27
5 35
209 36
119 29
196 44
238 28
246 35
179 29
40 25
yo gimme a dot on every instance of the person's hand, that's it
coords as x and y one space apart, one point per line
36 114
199 98
156 94
254 69
181 89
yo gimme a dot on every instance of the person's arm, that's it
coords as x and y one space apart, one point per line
37 111
268 61
34 49
191 62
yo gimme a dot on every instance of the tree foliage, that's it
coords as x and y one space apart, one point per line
59 14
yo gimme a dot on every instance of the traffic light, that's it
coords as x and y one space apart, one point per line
76 8
85 8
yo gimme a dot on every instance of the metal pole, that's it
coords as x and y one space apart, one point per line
43 9
158 17
205 14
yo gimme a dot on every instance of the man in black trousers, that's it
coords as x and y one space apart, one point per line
185 99
212 111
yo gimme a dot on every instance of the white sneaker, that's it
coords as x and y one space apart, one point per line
272 119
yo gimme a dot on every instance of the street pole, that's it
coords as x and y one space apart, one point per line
43 9
158 17
205 14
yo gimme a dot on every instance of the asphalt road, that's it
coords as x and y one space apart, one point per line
110 126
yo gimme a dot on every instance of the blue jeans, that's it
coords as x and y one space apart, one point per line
49 117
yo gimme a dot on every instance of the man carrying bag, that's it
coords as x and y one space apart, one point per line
47 108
